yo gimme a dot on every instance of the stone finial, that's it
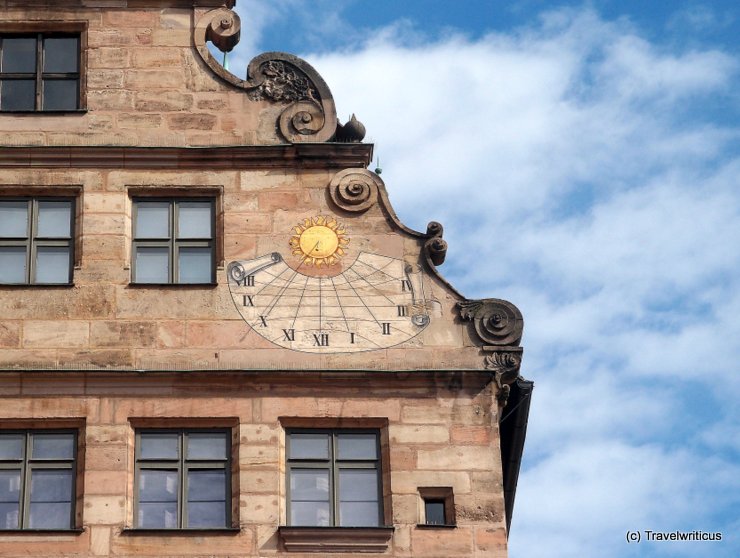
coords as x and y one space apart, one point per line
351 132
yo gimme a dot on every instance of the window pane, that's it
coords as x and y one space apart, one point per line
206 485
10 486
157 516
55 219
157 499
17 94
53 446
359 514
358 485
309 485
13 219
9 516
60 54
194 220
51 499
315 514
357 446
158 445
207 445
152 220
152 265
11 446
50 516
207 514
358 496
157 485
434 512
12 264
60 94
206 498
19 55
309 446
51 485
52 264
194 265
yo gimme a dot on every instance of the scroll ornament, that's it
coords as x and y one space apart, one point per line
355 190
435 246
275 77
497 322
505 366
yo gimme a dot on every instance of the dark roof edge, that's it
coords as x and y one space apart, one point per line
513 430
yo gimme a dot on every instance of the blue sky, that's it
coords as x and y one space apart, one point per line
584 159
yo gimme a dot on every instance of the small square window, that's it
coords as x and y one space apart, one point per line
37 479
334 478
183 479
36 241
438 506
40 72
173 241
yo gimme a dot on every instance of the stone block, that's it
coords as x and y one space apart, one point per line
10 335
106 457
446 543
490 539
105 79
49 334
104 510
144 120
147 101
100 541
105 482
157 58
475 435
151 80
123 334
457 458
218 333
110 99
419 434
191 121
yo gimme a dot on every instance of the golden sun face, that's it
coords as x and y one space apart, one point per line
319 241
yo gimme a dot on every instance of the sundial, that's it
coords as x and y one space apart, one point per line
376 303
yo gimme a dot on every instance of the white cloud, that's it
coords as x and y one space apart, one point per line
578 174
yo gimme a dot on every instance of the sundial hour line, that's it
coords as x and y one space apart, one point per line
276 298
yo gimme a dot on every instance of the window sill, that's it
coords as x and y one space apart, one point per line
77 531
188 531
335 539
173 285
433 526
45 112
38 285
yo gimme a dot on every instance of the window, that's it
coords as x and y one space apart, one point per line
173 241
39 72
182 479
334 478
36 241
37 479
438 506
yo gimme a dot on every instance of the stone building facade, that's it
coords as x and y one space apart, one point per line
216 337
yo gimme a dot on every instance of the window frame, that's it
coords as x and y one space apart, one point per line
51 31
183 465
27 464
31 241
334 465
172 243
